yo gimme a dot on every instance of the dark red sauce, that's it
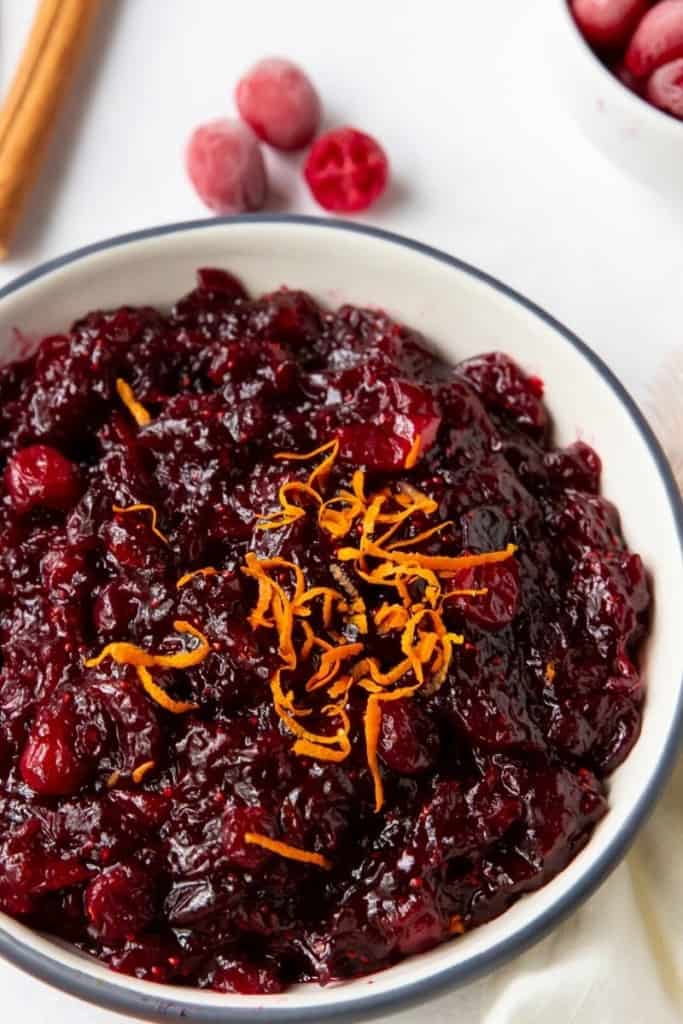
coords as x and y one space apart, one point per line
492 783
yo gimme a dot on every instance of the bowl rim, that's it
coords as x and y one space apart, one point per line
637 103
115 995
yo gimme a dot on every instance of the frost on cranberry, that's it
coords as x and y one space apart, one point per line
346 170
40 476
226 167
608 23
665 88
277 100
119 903
657 40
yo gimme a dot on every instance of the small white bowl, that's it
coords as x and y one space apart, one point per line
461 311
641 138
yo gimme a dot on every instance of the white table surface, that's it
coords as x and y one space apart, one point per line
486 163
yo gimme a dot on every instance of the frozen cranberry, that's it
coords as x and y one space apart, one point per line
276 98
41 476
346 170
408 742
665 88
119 903
226 167
657 40
608 23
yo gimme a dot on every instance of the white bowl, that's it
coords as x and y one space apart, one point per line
462 312
641 138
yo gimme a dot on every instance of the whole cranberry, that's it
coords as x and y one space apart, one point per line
276 99
50 762
226 166
657 40
608 23
41 475
119 903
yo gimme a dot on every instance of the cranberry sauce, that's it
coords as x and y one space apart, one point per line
350 736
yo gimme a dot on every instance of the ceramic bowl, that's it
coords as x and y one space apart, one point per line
461 311
640 138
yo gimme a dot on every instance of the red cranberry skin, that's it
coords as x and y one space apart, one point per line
657 40
278 102
665 88
225 165
346 170
608 23
40 476
50 763
119 903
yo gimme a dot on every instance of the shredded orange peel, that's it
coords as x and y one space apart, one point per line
124 653
290 512
312 623
286 850
135 408
142 770
141 507
185 579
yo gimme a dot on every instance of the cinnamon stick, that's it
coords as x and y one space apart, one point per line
56 40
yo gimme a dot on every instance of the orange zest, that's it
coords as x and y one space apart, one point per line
207 571
456 925
285 850
321 632
372 721
143 508
414 453
159 695
130 654
135 408
142 770
290 512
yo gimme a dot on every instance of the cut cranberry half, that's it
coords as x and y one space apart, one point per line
346 170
